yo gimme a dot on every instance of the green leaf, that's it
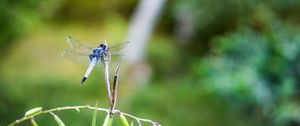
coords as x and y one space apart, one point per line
33 111
57 119
95 115
131 123
123 120
108 120
33 122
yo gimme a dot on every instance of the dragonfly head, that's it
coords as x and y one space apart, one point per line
103 46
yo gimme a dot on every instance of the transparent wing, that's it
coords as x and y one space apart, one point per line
76 57
77 52
117 52
117 58
118 48
79 47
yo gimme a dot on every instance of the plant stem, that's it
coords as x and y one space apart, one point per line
115 90
106 68
77 108
140 119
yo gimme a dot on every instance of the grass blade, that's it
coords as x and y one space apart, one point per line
108 120
95 115
123 120
33 122
131 123
57 119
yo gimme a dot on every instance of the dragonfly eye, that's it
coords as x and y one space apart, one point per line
101 45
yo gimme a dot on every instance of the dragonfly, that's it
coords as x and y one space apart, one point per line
80 53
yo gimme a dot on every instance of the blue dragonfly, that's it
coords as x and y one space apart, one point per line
84 54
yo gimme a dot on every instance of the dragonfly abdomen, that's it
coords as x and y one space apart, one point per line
89 70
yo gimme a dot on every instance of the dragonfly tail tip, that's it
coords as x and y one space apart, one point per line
83 79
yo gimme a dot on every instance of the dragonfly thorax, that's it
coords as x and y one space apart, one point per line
98 53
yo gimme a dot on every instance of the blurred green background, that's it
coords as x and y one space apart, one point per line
213 62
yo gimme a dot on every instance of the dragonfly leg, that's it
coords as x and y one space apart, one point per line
102 59
91 57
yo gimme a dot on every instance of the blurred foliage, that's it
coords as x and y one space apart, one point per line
198 21
92 10
20 17
14 17
255 72
251 54
230 62
244 54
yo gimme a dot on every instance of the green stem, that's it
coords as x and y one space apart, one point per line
78 109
